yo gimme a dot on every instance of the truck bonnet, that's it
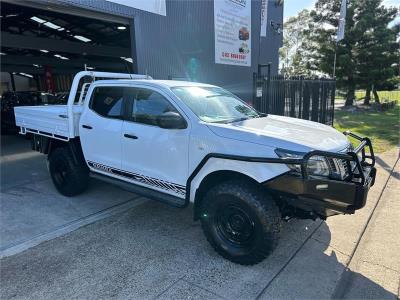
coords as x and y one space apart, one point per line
283 132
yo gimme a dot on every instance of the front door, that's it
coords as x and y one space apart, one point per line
100 128
155 157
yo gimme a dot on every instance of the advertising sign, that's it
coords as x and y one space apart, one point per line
153 6
232 25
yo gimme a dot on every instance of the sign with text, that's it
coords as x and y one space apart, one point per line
232 25
264 6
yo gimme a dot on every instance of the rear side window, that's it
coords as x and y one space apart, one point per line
107 102
148 106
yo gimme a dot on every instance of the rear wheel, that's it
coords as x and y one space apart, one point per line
69 177
240 221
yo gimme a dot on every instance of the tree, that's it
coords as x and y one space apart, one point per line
293 56
377 46
366 54
326 15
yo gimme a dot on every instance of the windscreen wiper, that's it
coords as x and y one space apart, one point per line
238 120
261 115
217 95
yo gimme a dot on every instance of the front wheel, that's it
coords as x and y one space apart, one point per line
240 221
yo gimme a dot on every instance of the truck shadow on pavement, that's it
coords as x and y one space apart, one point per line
354 285
155 251
387 168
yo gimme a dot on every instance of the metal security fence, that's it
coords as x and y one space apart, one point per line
299 97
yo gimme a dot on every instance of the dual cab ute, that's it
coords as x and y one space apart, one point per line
184 142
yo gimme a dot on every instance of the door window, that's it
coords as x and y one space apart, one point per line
148 105
107 102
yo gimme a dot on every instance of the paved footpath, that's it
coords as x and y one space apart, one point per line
155 251
321 267
374 270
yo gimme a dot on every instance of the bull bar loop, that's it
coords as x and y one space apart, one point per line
350 156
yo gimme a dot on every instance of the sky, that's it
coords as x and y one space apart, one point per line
292 7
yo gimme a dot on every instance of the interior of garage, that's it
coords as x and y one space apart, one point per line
41 49
44 46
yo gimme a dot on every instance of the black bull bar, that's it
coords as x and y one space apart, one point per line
327 196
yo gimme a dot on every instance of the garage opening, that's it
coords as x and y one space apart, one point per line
41 49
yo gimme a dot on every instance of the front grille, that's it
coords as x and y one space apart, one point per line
332 165
345 166
339 167
347 169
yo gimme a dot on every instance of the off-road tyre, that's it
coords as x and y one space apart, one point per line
240 221
70 178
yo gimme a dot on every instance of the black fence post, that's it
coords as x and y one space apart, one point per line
265 97
333 94
256 104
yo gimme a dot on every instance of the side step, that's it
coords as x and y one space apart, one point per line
143 191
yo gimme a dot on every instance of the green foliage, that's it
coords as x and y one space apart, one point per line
294 61
384 95
367 57
382 127
377 47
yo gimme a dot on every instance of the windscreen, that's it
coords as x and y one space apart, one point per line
214 105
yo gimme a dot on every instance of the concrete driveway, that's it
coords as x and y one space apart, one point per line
155 251
32 211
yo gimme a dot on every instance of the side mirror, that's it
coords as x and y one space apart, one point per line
171 120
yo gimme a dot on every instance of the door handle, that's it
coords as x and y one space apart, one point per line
87 126
130 136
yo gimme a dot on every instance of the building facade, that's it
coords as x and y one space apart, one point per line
183 39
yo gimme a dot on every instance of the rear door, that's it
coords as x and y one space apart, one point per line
100 128
155 157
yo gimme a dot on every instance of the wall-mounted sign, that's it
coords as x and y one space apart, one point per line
232 26
264 6
153 6
259 92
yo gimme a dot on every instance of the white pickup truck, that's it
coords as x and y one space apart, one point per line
184 142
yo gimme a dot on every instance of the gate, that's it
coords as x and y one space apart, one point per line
299 97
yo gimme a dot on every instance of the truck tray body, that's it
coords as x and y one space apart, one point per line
48 120
62 121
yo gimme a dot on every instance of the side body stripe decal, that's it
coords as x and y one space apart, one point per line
161 184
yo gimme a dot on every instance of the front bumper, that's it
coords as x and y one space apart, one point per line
325 197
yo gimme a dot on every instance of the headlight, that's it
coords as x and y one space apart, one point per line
288 154
317 165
